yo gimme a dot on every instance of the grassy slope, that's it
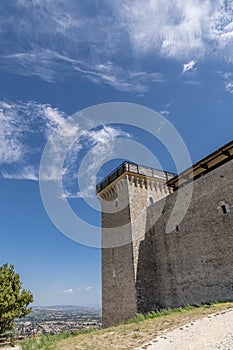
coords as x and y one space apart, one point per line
130 336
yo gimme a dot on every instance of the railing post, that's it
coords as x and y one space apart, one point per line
12 342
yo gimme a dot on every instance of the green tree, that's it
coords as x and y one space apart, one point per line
14 300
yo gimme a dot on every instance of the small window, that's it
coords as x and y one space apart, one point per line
116 203
177 228
224 208
150 200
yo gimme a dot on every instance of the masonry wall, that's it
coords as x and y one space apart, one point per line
140 195
118 276
123 227
194 263
118 285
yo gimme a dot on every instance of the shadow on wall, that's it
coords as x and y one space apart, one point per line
147 281
194 263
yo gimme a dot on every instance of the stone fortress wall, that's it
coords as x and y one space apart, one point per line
194 263
123 204
146 268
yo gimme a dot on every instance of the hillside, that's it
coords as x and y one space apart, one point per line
133 335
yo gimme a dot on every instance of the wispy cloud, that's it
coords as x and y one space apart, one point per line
53 39
68 291
189 67
25 128
51 66
165 113
61 45
171 28
229 86
228 80
179 29
11 149
102 147
93 146
221 28
71 291
89 288
28 173
94 52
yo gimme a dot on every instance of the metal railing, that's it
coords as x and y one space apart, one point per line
11 339
7 339
133 168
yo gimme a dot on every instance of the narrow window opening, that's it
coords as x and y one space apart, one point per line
224 209
113 252
114 272
116 203
177 228
150 200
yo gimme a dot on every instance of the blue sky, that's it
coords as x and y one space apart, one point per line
57 58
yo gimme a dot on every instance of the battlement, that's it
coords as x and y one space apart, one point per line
132 168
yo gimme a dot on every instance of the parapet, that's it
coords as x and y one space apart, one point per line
128 168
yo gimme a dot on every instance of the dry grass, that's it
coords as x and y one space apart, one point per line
130 336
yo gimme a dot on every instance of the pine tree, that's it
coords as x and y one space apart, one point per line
14 300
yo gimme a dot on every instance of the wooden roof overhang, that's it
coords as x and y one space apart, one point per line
204 166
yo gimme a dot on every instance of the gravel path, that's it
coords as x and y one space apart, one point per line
214 332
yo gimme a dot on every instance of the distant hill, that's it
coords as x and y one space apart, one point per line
66 308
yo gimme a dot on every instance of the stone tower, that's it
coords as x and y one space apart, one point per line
125 195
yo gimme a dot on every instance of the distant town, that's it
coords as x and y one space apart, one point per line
55 319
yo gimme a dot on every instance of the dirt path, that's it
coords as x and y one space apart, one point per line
214 332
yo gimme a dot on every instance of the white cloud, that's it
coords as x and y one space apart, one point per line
166 27
28 173
228 81
102 143
179 29
229 86
170 103
222 26
18 120
89 288
48 65
25 128
123 80
70 136
32 63
101 147
90 53
67 291
69 39
106 134
192 82
190 66
11 149
165 113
